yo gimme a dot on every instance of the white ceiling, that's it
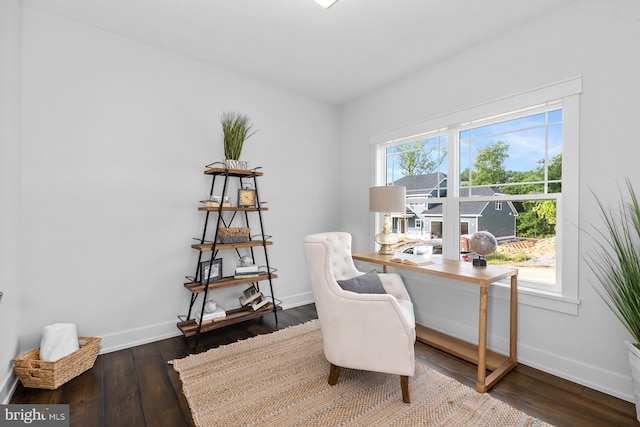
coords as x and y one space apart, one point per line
334 55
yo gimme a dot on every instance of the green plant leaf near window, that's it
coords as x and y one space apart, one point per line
617 263
236 128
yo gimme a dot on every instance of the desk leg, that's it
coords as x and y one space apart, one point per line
514 318
486 382
482 340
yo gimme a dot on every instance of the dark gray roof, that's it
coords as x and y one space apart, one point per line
467 208
477 191
422 184
425 184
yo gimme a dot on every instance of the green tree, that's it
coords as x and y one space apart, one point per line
530 223
417 158
546 210
555 173
464 177
489 164
537 219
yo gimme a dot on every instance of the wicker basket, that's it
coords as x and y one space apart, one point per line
233 235
36 373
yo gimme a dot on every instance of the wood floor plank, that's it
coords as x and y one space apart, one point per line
85 397
137 387
171 349
23 395
158 405
121 390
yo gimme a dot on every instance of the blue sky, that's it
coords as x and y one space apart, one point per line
526 138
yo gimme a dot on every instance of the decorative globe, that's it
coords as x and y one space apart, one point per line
245 261
210 306
483 243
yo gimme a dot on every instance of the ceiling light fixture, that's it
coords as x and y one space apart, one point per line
326 3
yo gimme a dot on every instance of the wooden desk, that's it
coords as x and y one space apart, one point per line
482 276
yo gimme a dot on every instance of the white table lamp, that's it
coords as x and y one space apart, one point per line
387 199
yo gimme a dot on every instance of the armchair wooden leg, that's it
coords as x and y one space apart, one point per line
404 384
334 373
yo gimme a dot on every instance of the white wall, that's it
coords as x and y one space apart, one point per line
595 39
116 135
10 28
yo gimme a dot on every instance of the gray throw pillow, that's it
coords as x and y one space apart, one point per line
368 283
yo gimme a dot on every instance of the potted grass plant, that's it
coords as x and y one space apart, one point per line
617 269
236 128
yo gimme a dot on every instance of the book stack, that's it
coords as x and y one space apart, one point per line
217 314
252 297
212 201
261 301
246 272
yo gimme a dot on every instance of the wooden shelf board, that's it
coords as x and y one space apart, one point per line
249 244
232 172
459 348
231 209
195 287
190 328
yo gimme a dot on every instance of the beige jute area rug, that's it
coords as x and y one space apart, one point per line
280 379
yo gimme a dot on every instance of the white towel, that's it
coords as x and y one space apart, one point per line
58 340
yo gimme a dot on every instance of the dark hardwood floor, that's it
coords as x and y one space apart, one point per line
136 387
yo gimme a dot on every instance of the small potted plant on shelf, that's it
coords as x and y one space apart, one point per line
236 128
617 269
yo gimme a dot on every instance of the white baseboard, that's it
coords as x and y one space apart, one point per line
139 336
297 300
595 377
592 376
8 387
151 333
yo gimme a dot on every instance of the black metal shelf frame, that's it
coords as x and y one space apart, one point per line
226 173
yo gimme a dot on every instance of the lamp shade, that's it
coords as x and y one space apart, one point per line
390 198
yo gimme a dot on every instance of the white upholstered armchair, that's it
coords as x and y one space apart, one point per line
367 331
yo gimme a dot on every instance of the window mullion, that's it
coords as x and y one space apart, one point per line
451 205
546 152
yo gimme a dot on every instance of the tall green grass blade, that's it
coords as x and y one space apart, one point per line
617 263
236 128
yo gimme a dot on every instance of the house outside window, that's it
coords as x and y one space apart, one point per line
500 167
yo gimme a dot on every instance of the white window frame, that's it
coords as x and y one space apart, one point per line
565 297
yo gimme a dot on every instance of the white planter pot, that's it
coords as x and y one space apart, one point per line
236 164
634 363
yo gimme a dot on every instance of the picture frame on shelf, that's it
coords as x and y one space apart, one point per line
251 290
210 271
246 198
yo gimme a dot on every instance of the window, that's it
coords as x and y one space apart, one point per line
508 167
